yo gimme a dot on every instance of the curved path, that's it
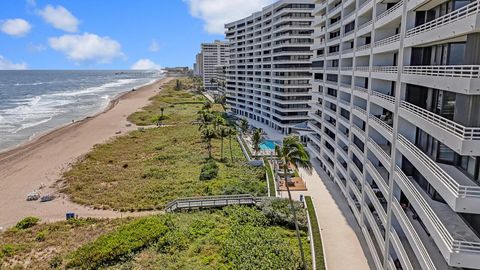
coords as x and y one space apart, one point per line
40 163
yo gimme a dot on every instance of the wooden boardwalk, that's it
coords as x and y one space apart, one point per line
211 202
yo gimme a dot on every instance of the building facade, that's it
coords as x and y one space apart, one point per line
268 73
198 66
396 115
214 54
220 79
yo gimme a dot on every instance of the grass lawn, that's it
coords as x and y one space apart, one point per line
236 237
144 170
271 178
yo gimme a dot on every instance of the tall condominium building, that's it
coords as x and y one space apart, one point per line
220 79
268 74
214 54
396 114
198 69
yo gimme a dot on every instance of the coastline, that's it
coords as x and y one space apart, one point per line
41 161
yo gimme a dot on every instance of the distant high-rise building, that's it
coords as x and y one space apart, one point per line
396 115
214 54
198 66
268 74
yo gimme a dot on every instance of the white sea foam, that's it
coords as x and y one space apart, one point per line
96 89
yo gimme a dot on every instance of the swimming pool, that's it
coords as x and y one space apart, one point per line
268 145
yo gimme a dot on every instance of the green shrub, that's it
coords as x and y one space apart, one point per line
271 178
209 170
40 236
120 244
279 212
27 222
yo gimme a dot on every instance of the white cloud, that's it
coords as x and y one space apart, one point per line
87 47
7 65
216 13
154 46
145 64
15 27
60 18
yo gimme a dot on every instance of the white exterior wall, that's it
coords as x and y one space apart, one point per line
214 54
355 112
269 66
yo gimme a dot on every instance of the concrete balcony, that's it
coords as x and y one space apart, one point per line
389 15
376 204
382 127
364 28
380 152
385 72
360 113
458 244
463 140
385 101
365 6
363 71
459 22
380 175
358 132
415 242
458 191
462 79
387 44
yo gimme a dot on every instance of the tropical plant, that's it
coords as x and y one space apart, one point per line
243 125
293 152
208 134
178 85
207 105
161 111
218 122
223 132
257 140
205 118
231 132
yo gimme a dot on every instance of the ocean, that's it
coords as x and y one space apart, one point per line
35 102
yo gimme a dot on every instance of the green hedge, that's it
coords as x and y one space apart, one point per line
209 170
271 178
317 238
120 244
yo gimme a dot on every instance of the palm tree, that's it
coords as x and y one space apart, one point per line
218 122
223 132
208 134
243 125
207 105
205 118
161 111
231 132
257 140
293 152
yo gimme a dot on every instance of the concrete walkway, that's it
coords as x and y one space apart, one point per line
341 235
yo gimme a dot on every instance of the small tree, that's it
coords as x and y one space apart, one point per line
207 105
205 118
161 111
257 140
223 132
208 134
293 152
243 125
178 85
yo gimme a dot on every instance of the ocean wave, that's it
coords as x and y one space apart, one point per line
96 89
30 84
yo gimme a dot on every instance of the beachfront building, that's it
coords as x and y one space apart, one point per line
198 66
213 54
396 114
268 73
220 79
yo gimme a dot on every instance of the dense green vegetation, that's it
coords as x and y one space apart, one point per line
144 170
236 237
317 238
44 246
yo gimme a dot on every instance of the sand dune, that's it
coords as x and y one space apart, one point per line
42 161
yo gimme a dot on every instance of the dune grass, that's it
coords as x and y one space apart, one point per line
144 170
43 246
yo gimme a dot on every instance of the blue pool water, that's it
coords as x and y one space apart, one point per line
268 145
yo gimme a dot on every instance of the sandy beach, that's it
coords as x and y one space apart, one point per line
41 162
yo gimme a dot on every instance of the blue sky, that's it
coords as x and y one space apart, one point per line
111 34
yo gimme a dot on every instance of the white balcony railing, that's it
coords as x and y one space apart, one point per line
462 132
385 69
387 98
363 47
387 41
390 10
382 123
457 71
417 241
445 236
453 186
451 17
379 149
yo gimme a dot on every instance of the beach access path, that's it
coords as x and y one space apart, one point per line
41 162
